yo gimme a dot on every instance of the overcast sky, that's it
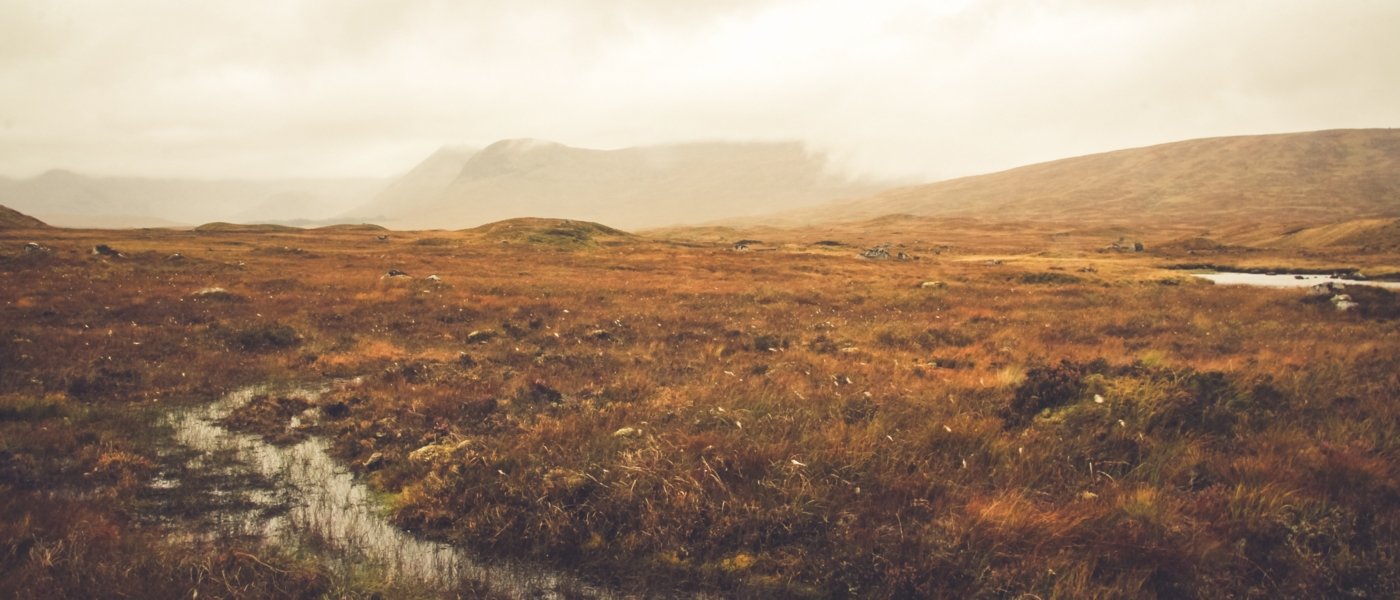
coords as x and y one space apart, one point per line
922 89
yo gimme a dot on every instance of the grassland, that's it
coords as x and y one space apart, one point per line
1043 419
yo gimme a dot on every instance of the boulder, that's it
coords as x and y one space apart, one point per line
481 336
933 285
105 250
374 461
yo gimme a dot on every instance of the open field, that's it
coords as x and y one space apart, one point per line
1042 419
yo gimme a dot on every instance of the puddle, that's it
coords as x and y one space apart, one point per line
1287 280
337 515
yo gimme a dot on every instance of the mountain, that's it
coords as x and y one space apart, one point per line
13 219
69 199
628 188
427 180
1323 176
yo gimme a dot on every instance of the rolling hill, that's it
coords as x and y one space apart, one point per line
1315 177
628 188
13 219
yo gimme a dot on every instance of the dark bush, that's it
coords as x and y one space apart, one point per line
1046 387
267 337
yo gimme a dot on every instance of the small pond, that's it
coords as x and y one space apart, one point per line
1288 280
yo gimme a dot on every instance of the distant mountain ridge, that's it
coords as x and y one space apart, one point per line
65 198
629 188
1323 176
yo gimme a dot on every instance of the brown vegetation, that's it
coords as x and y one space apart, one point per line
803 422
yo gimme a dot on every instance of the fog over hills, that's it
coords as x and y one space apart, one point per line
68 199
628 188
1323 176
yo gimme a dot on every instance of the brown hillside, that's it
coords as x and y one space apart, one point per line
13 219
1323 176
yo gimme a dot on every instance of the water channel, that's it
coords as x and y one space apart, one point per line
333 511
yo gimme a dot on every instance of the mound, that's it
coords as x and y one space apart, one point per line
13 219
562 233
352 227
221 227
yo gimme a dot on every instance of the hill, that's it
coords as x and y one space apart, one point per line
561 233
629 187
1314 177
13 219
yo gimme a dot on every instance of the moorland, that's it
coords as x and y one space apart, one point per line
997 409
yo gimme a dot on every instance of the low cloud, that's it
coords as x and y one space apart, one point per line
911 89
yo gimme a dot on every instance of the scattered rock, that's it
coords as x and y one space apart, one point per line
937 285
481 336
741 247
903 256
601 335
374 461
881 252
1088 269
33 249
176 257
1347 306
434 278
627 432
382 238
105 250
1326 288
396 273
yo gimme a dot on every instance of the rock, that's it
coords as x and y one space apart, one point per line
105 250
903 256
432 453
933 285
881 252
1341 298
32 248
601 335
1138 247
1326 288
176 257
382 238
627 432
1346 305
434 278
481 336
374 461
396 273
741 247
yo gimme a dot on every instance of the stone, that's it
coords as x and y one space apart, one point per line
396 273
933 285
1346 306
481 336
34 248
105 250
627 432
374 461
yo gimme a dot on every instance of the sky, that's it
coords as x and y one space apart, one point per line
919 90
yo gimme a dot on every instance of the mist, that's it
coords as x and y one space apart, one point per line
896 89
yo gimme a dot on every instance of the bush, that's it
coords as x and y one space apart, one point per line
1045 387
267 337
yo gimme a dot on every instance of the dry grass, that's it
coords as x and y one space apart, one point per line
799 422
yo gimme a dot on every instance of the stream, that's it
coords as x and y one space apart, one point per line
332 512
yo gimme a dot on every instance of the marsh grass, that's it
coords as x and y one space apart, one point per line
776 424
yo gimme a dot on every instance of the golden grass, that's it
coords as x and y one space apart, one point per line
795 422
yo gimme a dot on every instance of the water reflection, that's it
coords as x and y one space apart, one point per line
337 515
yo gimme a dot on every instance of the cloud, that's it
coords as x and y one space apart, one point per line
904 88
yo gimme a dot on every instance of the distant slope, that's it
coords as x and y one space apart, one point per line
13 219
628 188
426 181
558 233
1323 176
66 198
